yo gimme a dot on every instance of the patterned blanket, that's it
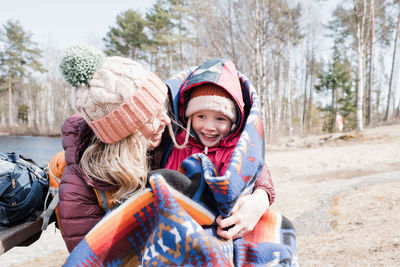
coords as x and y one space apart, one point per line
172 222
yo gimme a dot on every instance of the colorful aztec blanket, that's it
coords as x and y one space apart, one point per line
172 222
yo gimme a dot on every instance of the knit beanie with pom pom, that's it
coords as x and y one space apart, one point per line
116 96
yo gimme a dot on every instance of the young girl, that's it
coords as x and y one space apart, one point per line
122 116
211 105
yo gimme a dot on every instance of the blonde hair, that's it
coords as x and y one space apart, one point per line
123 163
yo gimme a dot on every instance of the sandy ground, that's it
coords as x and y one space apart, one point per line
341 191
342 196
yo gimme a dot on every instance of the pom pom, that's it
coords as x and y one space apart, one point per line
79 64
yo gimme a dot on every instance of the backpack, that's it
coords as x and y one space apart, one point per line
55 169
22 187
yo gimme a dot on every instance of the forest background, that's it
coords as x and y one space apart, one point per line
279 45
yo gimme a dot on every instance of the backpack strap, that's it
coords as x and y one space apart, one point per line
105 199
55 169
50 172
53 190
50 209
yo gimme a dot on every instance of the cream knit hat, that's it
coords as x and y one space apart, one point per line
116 96
211 97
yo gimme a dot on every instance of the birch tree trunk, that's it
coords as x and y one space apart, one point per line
2 119
380 78
277 95
51 109
371 63
170 61
10 102
289 91
260 68
157 60
231 34
310 98
304 115
392 70
257 51
360 87
266 65
180 45
360 18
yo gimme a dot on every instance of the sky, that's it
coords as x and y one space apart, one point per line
63 23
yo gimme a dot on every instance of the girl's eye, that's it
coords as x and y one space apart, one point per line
221 119
201 116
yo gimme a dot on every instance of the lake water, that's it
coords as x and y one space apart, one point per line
40 149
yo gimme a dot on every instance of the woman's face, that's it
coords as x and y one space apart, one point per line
153 129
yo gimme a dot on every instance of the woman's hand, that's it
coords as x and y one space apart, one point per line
244 216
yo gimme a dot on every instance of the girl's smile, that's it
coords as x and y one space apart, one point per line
211 126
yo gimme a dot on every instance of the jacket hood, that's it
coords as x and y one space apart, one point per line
221 72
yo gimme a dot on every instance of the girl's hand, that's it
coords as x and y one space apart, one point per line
244 216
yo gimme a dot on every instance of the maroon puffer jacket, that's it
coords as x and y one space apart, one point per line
79 208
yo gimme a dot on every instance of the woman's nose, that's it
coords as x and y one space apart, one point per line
165 120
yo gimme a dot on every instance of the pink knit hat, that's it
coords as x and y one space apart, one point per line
119 98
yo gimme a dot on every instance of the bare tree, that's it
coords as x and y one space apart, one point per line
314 67
371 63
360 9
305 96
289 90
392 70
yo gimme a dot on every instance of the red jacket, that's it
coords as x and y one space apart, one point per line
225 75
220 154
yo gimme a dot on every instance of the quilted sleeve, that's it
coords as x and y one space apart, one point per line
264 181
78 208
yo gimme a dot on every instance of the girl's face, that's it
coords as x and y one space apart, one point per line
153 129
211 126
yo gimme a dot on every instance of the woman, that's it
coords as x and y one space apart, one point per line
122 116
